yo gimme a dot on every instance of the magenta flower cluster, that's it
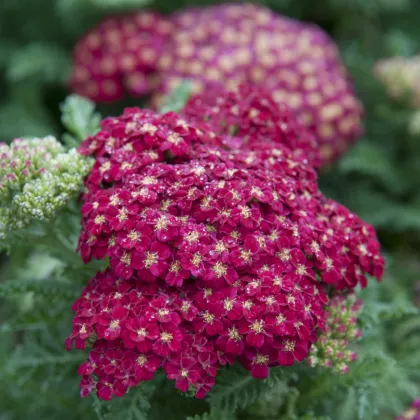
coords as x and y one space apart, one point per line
217 253
221 47
120 55
248 116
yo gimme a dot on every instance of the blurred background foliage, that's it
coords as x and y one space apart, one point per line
379 179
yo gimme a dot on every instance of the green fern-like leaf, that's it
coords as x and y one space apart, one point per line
237 389
214 414
178 98
40 288
40 351
134 405
79 118
372 161
370 394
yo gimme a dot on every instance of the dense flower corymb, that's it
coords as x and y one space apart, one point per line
216 254
248 116
221 47
37 178
230 44
119 55
225 45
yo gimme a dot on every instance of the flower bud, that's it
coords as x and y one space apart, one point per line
37 179
400 75
331 347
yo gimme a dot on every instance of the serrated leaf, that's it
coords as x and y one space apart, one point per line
39 287
312 416
20 361
236 389
79 118
134 405
177 98
213 415
370 160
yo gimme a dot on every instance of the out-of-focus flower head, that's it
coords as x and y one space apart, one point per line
37 178
223 46
120 55
217 253
401 77
331 349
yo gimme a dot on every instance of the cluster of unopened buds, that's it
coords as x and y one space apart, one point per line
37 178
221 47
218 252
400 75
412 413
331 349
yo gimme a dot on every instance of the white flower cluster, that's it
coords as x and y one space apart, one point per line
37 178
401 75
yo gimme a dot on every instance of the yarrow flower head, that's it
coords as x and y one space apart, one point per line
331 349
412 413
220 47
119 55
248 115
225 45
400 75
37 178
216 253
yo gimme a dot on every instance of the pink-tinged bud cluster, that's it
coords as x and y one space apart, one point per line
120 55
401 75
331 350
412 413
222 47
217 254
248 115
24 160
